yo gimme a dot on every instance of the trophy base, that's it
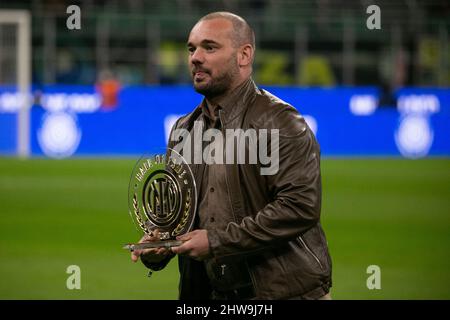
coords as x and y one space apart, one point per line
154 244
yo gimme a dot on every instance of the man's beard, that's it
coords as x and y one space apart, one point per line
219 84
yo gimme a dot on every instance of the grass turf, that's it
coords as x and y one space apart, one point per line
388 212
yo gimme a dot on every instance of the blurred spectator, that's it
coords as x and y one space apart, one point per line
108 87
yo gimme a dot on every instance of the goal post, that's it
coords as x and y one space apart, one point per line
21 37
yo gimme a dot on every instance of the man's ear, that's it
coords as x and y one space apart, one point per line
245 55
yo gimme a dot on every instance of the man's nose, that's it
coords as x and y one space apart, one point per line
197 57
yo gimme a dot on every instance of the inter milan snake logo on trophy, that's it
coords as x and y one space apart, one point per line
162 198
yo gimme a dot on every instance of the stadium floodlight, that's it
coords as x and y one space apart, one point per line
17 26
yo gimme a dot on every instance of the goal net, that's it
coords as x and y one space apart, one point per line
15 77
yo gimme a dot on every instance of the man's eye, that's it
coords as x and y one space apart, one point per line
209 48
191 50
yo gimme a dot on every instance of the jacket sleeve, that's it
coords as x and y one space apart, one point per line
156 266
295 193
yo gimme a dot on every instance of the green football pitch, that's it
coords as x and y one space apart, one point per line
391 213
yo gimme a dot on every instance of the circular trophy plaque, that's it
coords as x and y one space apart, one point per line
162 195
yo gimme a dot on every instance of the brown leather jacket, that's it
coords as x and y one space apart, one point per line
275 228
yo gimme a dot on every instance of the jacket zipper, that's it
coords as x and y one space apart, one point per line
310 251
252 278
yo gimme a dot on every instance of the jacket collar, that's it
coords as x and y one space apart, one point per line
233 104
247 94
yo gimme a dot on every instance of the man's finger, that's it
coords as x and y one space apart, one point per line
180 249
162 251
149 251
147 238
135 255
185 237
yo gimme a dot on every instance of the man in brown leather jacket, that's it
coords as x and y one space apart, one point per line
257 233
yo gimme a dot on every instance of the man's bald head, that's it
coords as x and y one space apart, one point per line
241 34
221 49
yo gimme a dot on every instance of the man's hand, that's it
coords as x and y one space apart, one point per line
151 255
196 245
